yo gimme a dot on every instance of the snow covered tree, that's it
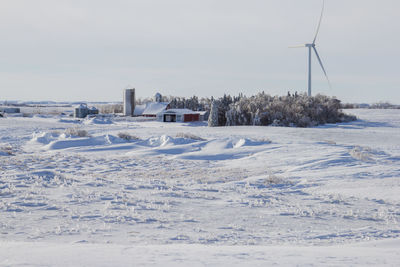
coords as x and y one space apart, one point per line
297 110
213 118
290 110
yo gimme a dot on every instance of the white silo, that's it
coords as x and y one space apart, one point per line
129 102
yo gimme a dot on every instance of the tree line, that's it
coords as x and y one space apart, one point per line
297 110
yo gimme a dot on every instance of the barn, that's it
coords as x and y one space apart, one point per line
178 115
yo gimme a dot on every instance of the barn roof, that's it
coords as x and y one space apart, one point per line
150 108
203 112
139 109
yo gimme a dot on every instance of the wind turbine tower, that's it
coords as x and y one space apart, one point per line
311 47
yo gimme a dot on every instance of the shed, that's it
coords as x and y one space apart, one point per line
83 110
93 111
204 115
10 110
178 115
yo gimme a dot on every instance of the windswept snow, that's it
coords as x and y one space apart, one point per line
82 254
181 188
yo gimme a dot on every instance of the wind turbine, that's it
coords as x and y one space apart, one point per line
312 47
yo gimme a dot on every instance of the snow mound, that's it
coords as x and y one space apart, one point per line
225 149
42 116
45 137
182 145
190 136
166 140
249 142
56 141
102 140
98 120
232 143
240 143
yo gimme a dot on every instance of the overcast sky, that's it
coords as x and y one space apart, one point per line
69 50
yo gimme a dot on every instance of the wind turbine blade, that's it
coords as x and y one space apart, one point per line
320 20
297 46
322 66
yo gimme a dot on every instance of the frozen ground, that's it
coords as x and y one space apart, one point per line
189 194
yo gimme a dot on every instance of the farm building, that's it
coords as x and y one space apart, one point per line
178 115
150 109
10 110
83 110
204 115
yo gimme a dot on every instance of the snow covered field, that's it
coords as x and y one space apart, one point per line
184 194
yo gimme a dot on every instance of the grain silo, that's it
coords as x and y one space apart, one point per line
129 102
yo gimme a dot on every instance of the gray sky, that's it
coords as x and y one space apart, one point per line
90 50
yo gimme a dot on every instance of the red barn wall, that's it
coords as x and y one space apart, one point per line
191 117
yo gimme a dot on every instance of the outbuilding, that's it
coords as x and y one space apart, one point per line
178 115
83 110
10 110
204 115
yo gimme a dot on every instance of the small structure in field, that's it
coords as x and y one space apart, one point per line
82 111
129 102
178 115
93 111
10 110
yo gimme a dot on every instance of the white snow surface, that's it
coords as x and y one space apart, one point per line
185 193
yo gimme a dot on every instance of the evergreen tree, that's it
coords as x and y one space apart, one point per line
213 118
